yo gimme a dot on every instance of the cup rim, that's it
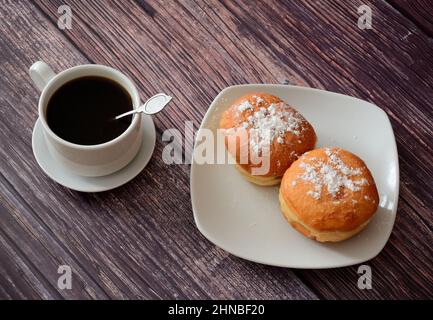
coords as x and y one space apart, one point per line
134 97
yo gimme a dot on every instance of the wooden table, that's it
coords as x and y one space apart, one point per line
140 240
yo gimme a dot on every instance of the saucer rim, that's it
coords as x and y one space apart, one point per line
147 123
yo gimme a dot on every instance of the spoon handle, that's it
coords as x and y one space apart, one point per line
153 105
127 114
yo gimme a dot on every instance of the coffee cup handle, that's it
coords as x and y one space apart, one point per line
41 74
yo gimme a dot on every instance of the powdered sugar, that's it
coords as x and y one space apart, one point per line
258 99
267 123
245 105
271 123
332 174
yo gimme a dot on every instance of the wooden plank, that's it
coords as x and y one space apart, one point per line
33 257
119 246
318 44
34 262
420 12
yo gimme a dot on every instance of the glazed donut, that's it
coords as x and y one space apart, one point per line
271 128
328 195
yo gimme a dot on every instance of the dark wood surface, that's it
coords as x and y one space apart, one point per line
139 240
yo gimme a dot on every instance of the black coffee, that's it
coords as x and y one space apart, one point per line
82 111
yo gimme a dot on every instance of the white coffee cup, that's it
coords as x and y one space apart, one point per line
87 160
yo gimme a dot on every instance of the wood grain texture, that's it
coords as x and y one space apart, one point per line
418 11
148 247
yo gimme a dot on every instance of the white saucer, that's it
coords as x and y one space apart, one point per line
72 181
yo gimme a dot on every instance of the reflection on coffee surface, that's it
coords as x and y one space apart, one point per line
82 111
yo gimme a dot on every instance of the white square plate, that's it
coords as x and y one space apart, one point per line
246 220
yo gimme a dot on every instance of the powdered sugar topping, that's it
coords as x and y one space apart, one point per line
258 99
331 174
245 105
267 124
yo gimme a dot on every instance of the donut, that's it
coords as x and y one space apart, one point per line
328 195
267 135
